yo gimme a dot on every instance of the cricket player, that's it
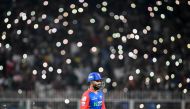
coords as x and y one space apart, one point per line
93 98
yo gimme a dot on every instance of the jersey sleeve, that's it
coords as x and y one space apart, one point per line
84 102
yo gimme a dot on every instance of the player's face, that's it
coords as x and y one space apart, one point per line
97 84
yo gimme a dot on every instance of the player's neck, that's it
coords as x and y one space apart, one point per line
92 89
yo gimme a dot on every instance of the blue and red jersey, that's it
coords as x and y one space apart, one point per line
92 100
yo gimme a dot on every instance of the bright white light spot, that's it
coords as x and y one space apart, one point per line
3 37
179 85
54 30
35 26
45 3
68 61
101 69
120 57
79 44
65 41
137 71
133 5
67 101
184 90
104 9
43 76
18 32
8 13
24 56
19 91
85 4
6 20
114 84
50 69
162 16
141 106
151 74
63 52
167 63
155 8
173 57
112 56
74 11
176 63
154 60
145 31
92 20
158 80
172 76
108 80
165 51
158 106
70 32
93 49
45 64
145 56
80 10
1 67
61 10
130 77
167 77
59 71
172 38
58 44
8 26
29 21
34 72
188 46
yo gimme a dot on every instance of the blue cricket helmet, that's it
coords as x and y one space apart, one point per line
93 76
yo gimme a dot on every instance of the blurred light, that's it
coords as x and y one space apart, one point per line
172 76
167 77
108 80
8 13
154 49
135 51
133 5
45 3
63 52
106 27
59 71
3 37
67 101
169 8
120 57
158 106
144 31
173 57
155 8
61 10
81 1
43 76
141 106
104 3
7 46
8 26
68 61
72 6
16 21
79 44
158 80
74 11
70 31
65 14
176 63
1 67
179 36
92 20
188 80
150 9
54 30
167 63
112 56
180 85
101 69
188 46
155 42
148 28
121 17
65 23
98 6
138 71
147 81
184 90
19 91
130 77
46 27
120 52
116 35
6 20
50 69
58 44
177 2
162 16
159 3
180 60
80 10
45 64
105 90
165 51
137 37
35 26
28 21
124 39
32 13
56 20
85 4
34 72
145 56
172 38
154 60
160 40
188 2
24 56
65 41
151 14
114 84
116 17
151 74
104 9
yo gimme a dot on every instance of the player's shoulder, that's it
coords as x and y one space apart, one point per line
86 93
